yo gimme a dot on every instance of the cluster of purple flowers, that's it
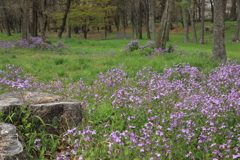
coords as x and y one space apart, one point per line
148 49
33 42
179 114
149 44
132 46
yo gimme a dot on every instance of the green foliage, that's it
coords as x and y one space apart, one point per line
31 128
91 13
146 51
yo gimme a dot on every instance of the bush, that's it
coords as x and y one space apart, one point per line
34 43
148 49
132 46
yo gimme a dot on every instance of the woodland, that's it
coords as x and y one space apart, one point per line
34 18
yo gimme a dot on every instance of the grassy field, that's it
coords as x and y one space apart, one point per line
137 104
86 58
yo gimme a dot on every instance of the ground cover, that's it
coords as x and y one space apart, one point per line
139 103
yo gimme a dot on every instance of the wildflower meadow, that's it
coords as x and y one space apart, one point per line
139 102
178 114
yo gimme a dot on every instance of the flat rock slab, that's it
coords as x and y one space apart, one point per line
52 109
10 147
25 97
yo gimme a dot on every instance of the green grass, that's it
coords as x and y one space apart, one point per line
86 58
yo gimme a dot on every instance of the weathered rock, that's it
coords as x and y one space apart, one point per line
10 147
50 108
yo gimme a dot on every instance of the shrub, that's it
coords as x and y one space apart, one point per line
34 43
148 49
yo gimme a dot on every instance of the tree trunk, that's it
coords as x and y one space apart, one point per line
136 21
68 35
25 21
147 20
236 35
105 32
202 22
224 9
123 23
185 23
33 17
164 25
219 51
117 21
233 13
199 11
64 19
85 31
212 10
7 22
133 25
69 31
41 23
139 17
193 25
152 18
8 28
42 18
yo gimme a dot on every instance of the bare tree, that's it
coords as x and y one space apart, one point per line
165 25
219 51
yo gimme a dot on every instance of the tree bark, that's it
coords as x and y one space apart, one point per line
64 19
164 25
147 10
236 35
212 10
185 23
68 30
7 23
233 13
25 21
85 31
122 15
202 22
41 23
133 23
152 19
193 25
33 17
42 18
140 21
219 51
